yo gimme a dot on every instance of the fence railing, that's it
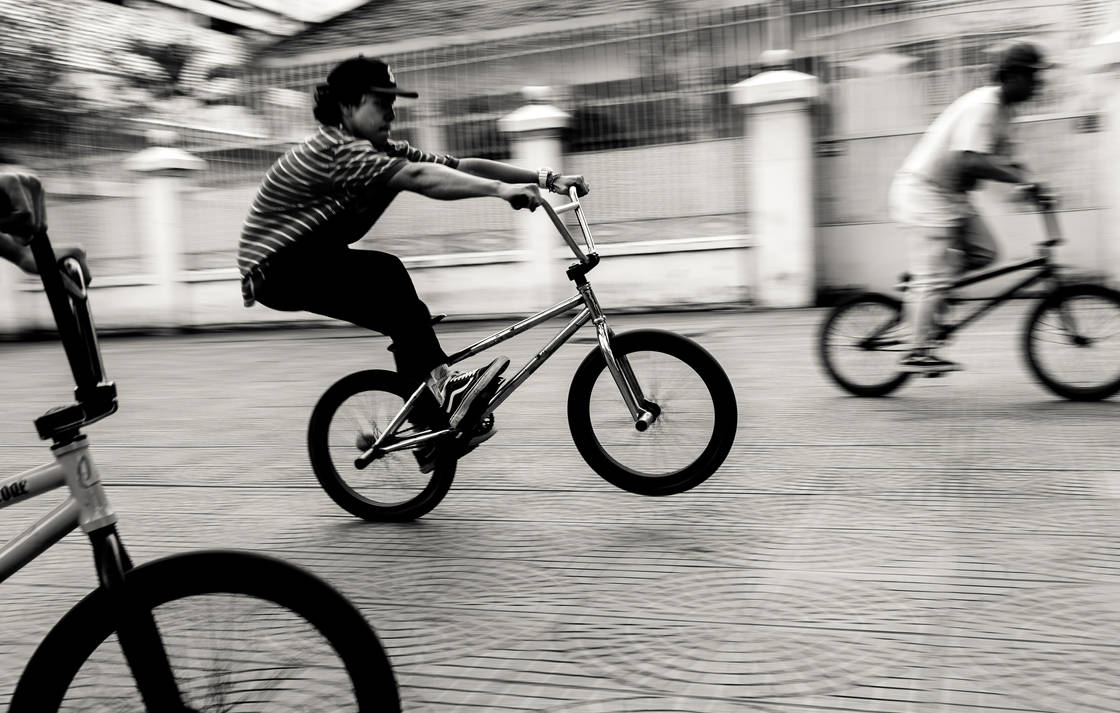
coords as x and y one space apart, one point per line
633 87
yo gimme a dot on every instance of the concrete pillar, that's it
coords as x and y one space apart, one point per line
780 157
10 313
1104 60
164 171
535 130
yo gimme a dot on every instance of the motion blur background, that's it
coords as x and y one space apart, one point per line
87 84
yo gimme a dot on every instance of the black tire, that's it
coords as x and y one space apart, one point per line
391 488
75 657
1092 350
713 394
863 358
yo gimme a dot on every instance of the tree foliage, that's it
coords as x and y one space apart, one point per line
34 99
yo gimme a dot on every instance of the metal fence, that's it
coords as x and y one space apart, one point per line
644 82
649 101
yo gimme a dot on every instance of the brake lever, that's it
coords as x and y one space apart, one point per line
72 279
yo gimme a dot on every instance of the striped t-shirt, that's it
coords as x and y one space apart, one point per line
330 187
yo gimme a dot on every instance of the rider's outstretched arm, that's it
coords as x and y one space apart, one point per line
507 173
504 172
444 183
993 168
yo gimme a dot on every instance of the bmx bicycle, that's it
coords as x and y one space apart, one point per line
652 412
198 631
1070 340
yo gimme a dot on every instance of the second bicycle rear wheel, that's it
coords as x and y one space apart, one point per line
861 342
352 412
695 405
241 631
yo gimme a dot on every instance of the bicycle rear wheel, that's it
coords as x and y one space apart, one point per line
243 632
391 488
1072 342
683 384
860 344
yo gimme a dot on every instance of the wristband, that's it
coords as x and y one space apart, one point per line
546 177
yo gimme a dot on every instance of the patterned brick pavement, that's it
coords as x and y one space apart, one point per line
950 549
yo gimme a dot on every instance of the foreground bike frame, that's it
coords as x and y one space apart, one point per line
123 603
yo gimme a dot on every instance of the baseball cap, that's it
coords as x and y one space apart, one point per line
1022 55
368 73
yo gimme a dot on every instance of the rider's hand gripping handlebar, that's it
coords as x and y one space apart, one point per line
64 282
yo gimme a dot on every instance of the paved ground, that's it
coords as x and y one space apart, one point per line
950 549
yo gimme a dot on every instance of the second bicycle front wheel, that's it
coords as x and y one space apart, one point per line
1072 342
241 631
861 342
688 390
348 416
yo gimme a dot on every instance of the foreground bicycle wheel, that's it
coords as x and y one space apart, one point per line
391 488
1072 342
861 342
679 380
242 632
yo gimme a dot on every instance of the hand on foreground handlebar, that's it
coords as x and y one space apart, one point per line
520 196
79 254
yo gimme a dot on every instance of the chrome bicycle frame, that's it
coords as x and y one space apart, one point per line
619 367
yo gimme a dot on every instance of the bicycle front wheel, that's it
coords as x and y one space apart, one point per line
1072 342
347 417
861 342
680 382
242 632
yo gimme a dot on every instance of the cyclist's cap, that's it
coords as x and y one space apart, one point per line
372 74
1023 55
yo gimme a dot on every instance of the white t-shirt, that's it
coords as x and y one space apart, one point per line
975 122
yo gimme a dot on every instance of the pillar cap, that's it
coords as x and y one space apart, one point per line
162 155
777 85
537 115
1104 54
163 158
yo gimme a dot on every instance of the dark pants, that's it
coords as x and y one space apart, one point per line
364 287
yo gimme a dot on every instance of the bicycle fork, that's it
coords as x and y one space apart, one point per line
137 632
619 367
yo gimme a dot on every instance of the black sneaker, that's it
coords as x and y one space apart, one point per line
462 389
426 454
926 363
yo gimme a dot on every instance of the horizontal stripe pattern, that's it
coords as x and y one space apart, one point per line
329 183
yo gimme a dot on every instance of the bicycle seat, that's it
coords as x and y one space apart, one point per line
23 212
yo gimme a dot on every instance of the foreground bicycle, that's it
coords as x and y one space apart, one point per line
201 631
652 412
1071 339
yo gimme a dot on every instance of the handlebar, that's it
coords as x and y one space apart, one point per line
591 257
